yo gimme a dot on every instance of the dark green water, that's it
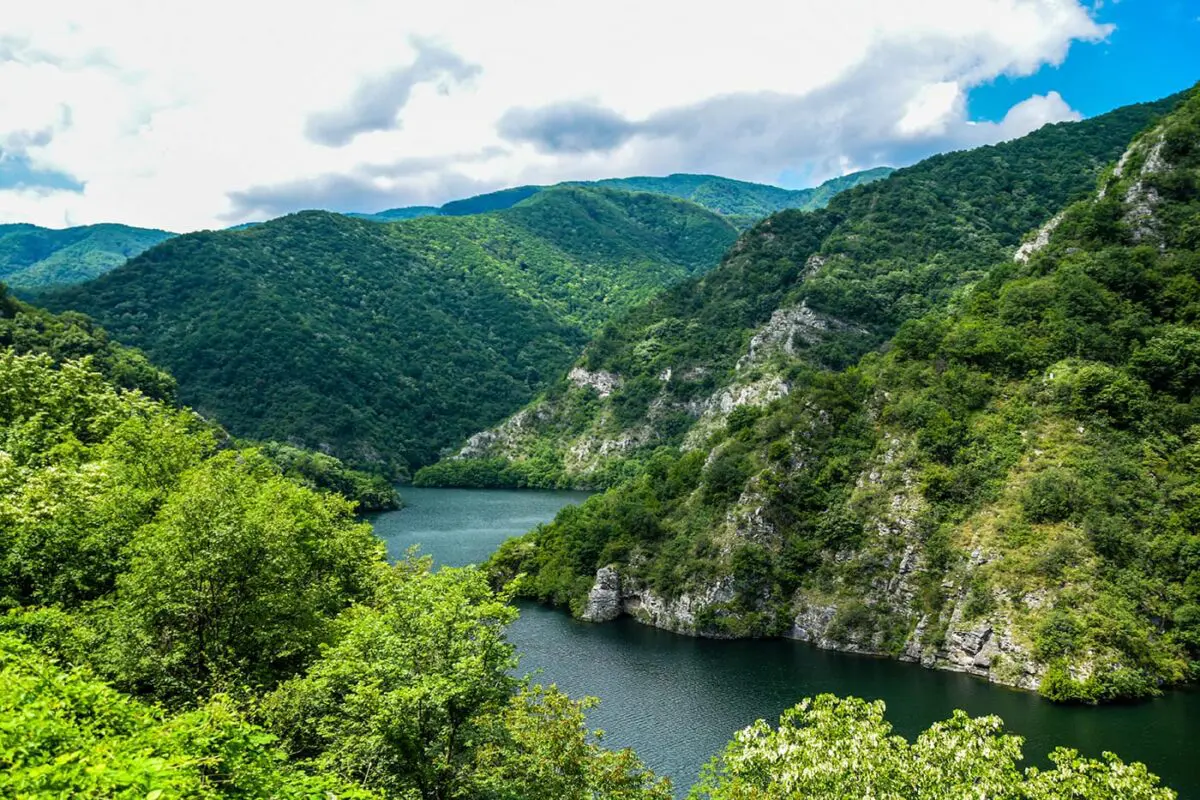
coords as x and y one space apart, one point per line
677 700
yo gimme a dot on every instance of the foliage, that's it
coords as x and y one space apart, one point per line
236 581
65 734
25 329
37 258
879 255
370 491
545 752
291 330
403 699
135 547
828 747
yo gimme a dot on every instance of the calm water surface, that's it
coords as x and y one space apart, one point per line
677 700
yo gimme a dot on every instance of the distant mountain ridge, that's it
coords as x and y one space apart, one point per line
744 201
33 257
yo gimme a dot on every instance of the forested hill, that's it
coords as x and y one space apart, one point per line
384 343
184 621
32 257
742 201
1008 489
827 286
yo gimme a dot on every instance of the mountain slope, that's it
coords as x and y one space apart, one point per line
743 201
823 287
1008 489
384 343
34 258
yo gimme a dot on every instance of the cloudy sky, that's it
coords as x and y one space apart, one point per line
186 116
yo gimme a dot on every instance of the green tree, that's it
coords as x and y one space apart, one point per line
546 752
409 689
65 734
237 580
836 749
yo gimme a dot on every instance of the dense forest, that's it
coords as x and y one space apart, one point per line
26 330
1007 488
743 202
833 284
182 619
34 258
382 344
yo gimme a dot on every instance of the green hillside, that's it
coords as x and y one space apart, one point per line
383 344
743 199
743 202
36 258
183 620
827 286
1007 488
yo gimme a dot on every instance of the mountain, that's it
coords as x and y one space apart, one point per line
742 201
34 258
871 428
383 344
848 275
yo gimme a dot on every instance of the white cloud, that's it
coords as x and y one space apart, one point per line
188 115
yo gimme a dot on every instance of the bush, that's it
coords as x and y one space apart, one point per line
1053 495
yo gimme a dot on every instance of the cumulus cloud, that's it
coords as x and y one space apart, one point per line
180 120
902 102
18 170
377 102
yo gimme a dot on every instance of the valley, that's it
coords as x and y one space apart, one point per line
885 484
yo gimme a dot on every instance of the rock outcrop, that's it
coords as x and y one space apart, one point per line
604 599
1039 241
605 383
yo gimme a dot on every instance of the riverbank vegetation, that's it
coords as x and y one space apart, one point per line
828 747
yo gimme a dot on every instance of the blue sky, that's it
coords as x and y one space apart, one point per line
1154 51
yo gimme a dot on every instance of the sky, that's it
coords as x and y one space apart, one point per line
203 115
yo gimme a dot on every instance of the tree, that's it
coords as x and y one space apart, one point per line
237 581
409 689
545 752
65 734
835 748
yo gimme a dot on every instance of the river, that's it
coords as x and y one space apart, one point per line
676 699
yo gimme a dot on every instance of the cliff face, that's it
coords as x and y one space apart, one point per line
878 612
